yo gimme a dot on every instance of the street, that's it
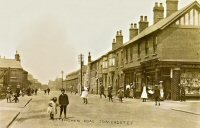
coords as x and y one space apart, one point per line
100 113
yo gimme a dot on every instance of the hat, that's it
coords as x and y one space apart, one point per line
62 89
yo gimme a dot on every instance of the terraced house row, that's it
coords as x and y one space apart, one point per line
167 51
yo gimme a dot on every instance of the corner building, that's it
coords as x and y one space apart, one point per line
168 51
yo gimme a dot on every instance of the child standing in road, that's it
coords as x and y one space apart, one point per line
52 110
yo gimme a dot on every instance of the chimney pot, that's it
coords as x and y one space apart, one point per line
156 4
141 18
120 32
114 41
161 5
131 25
145 18
135 25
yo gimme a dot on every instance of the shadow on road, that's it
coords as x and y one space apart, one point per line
33 117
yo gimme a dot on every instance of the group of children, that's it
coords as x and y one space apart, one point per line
10 95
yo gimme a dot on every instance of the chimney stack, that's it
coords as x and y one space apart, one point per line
119 39
133 31
172 6
89 58
17 56
158 12
114 45
143 23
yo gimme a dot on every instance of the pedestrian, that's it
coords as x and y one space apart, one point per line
45 91
76 91
63 102
8 94
15 98
157 95
120 94
71 89
110 93
29 91
32 91
36 91
48 90
144 93
127 91
102 89
52 108
182 93
84 95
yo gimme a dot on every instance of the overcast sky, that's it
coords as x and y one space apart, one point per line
50 34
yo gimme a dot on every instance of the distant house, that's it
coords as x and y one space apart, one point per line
12 73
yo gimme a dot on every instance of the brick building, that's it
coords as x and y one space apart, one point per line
167 53
12 73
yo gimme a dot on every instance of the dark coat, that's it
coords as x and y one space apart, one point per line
157 92
101 89
63 99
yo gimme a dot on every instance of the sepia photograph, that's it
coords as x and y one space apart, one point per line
99 63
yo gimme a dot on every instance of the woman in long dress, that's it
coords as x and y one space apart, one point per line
84 95
144 93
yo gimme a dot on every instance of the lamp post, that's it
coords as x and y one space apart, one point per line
81 58
62 78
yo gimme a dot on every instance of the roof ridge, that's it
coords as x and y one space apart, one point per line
161 24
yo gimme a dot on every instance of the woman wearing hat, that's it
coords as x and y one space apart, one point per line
84 95
144 93
157 95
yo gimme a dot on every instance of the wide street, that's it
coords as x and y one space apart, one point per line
100 113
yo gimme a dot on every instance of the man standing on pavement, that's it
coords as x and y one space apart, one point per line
102 90
63 102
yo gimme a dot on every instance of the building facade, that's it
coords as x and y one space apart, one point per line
12 74
166 53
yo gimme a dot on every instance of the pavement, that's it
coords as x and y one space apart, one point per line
10 111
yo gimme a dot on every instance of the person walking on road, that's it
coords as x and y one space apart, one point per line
110 93
84 95
36 91
157 95
144 93
120 94
8 94
48 90
63 102
102 89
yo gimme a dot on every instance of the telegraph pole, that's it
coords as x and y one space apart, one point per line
81 58
62 78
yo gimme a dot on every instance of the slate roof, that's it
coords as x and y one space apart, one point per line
163 23
12 63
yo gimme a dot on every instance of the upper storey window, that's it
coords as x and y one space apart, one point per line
191 18
105 64
112 62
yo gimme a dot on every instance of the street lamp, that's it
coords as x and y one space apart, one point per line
62 78
81 61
